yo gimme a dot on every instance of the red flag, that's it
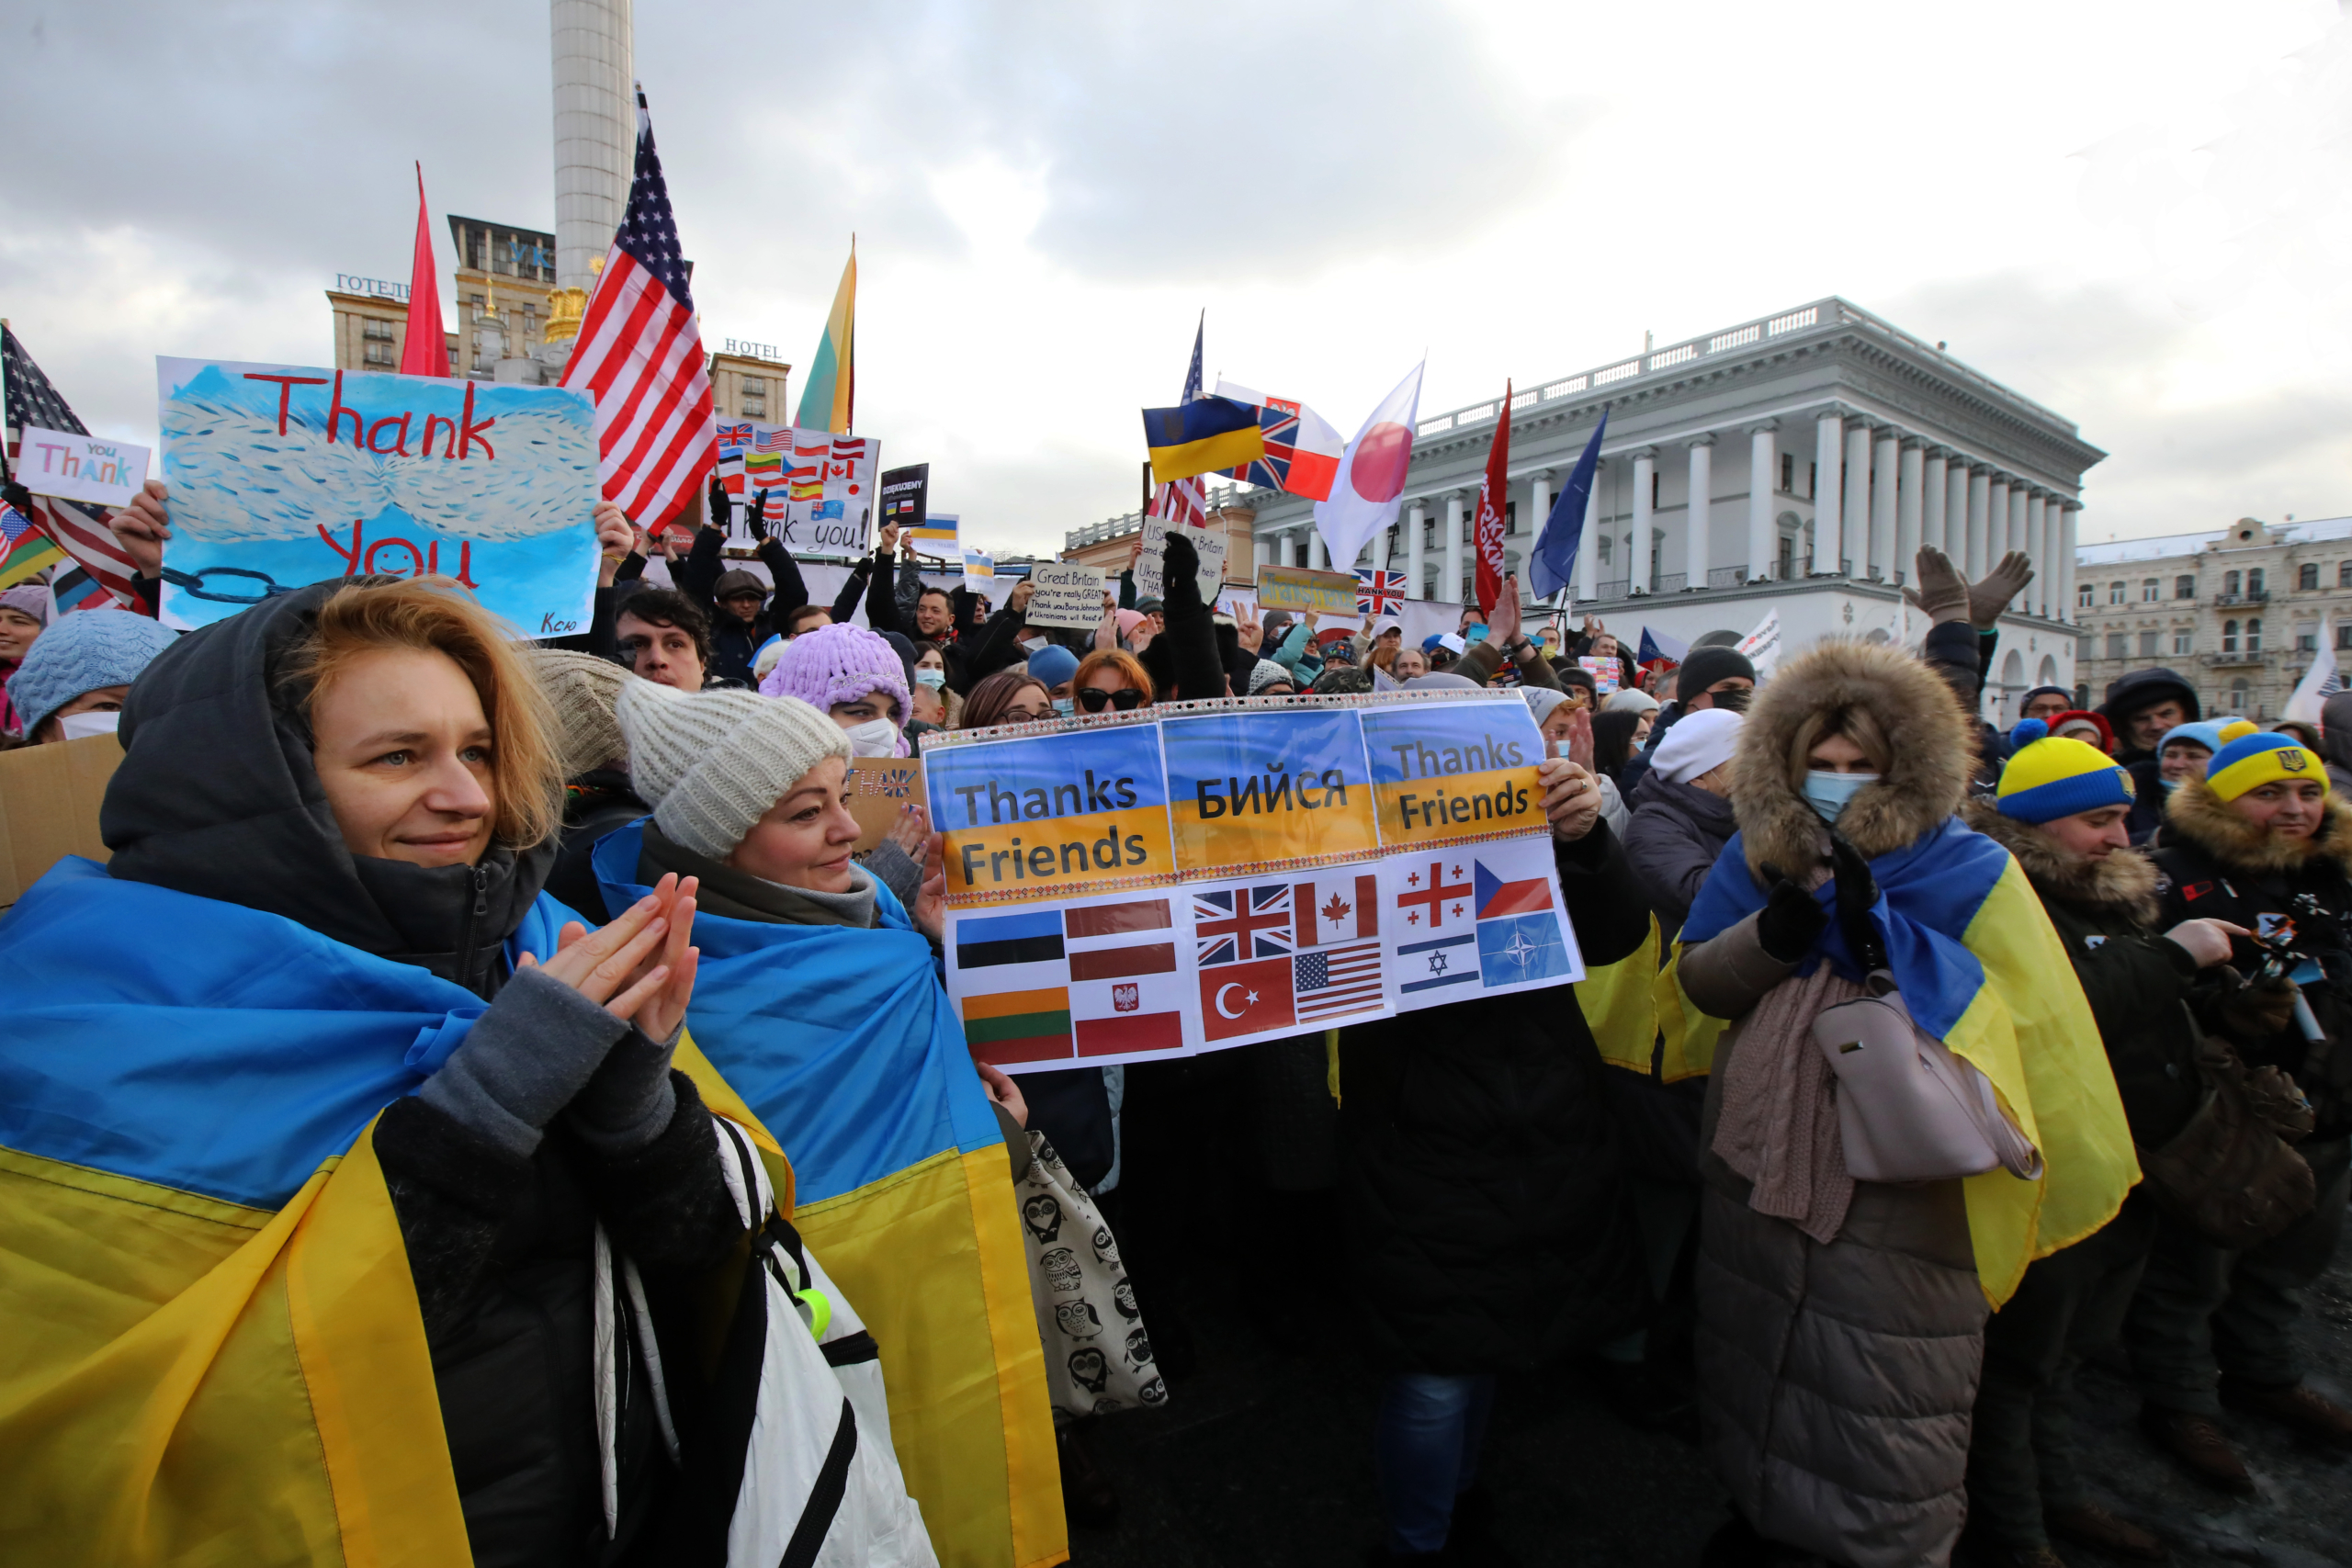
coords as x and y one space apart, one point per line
1492 489
425 350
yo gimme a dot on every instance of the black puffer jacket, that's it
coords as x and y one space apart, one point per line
2140 985
2215 864
2128 694
1483 1201
499 1246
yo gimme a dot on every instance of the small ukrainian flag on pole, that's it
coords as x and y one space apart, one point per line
1200 436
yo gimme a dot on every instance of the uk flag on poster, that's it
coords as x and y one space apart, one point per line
1379 592
1232 925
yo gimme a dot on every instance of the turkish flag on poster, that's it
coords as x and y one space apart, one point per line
1493 492
1246 999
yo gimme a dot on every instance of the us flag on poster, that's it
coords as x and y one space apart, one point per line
640 356
1335 973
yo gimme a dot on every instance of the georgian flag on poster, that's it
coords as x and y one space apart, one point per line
1475 920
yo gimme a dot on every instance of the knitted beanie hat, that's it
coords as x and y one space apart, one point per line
1708 665
1262 675
2050 776
1632 699
712 762
1698 743
1541 700
582 688
80 653
29 597
1053 666
2248 759
839 664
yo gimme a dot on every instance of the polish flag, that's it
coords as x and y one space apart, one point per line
1371 481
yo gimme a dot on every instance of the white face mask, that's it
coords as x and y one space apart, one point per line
77 724
1035 645
1830 793
874 737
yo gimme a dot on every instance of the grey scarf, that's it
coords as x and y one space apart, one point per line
738 896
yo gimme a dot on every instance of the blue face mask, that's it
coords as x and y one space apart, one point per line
1066 707
1828 792
934 679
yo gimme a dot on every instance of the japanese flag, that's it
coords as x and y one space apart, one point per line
1371 481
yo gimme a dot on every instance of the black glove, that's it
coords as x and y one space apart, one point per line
1790 922
719 512
758 516
1857 891
1179 574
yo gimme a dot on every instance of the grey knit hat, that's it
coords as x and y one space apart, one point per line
712 762
1265 672
82 653
582 688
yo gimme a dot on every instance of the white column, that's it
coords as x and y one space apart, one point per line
1956 510
2066 561
1980 482
1909 510
1319 554
2053 515
1856 526
1997 520
1644 467
2017 493
1696 556
1265 549
1450 585
1589 545
2036 593
1932 500
1416 523
1884 470
1539 511
1829 456
1763 463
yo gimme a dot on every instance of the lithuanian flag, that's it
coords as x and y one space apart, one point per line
829 393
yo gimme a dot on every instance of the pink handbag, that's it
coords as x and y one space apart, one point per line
1907 1109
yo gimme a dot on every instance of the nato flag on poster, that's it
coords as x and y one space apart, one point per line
1554 560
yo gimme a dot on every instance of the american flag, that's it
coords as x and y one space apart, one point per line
640 355
1185 502
1336 981
1232 924
1379 592
80 530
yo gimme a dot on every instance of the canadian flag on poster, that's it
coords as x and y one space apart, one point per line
1475 920
1336 971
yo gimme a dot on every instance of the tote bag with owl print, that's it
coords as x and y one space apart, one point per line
1098 1358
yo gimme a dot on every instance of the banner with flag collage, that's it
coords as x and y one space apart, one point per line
1155 884
820 487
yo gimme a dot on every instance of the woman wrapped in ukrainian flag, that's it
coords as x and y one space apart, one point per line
351 1210
1842 1321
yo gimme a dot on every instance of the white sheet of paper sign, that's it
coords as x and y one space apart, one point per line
81 467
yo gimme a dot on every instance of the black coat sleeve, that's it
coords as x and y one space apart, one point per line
1605 902
667 1204
451 1190
791 590
1192 631
882 595
852 589
698 573
998 646
599 638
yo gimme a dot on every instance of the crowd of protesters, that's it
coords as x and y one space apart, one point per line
2133 919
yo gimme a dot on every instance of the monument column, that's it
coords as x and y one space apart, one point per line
595 131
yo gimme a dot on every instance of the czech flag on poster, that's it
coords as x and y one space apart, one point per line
1475 920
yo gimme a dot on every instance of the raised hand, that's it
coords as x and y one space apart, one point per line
144 527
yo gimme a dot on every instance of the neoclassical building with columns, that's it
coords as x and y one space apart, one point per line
1796 461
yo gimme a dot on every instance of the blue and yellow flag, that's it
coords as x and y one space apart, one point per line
1200 436
845 1043
213 1350
1980 968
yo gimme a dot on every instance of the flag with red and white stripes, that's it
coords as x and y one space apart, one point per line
640 356
80 530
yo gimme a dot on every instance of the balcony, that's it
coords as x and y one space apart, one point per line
2250 596
2247 658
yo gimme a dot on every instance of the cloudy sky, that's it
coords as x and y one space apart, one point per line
2137 213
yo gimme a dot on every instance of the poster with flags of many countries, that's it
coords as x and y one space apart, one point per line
1472 921
820 488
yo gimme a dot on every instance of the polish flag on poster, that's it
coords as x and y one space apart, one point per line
1126 979
1369 484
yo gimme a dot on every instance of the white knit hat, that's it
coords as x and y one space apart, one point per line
1698 743
712 762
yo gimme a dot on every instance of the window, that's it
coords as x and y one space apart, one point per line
381 331
1789 479
2148 644
1812 481
2229 636
2237 695
2184 640
2086 596
2307 575
1510 517
2254 635
2229 584
755 387
2186 587
2307 642
2148 591
2344 637
1654 477
2344 574
756 408
2115 593
2119 645
379 353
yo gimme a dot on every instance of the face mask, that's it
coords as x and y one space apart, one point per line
874 737
1828 792
1035 645
1734 700
77 724
1066 707
934 679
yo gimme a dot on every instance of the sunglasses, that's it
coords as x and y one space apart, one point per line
1126 699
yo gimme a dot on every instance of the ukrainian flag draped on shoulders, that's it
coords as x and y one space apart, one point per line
843 1043
213 1350
1981 969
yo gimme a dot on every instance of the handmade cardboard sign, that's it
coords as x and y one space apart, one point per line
819 487
881 789
1066 595
48 807
81 467
1208 542
283 475
1297 588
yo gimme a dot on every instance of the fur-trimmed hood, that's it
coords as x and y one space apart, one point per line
2198 816
1934 744
2125 882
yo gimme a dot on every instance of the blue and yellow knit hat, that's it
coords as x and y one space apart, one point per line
2050 776
2250 758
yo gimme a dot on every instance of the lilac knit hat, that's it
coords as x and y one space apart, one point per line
840 664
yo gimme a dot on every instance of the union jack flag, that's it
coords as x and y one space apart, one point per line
1379 592
1278 425
733 436
1231 924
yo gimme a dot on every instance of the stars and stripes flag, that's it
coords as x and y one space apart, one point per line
639 353
24 549
80 530
1379 592
1185 502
